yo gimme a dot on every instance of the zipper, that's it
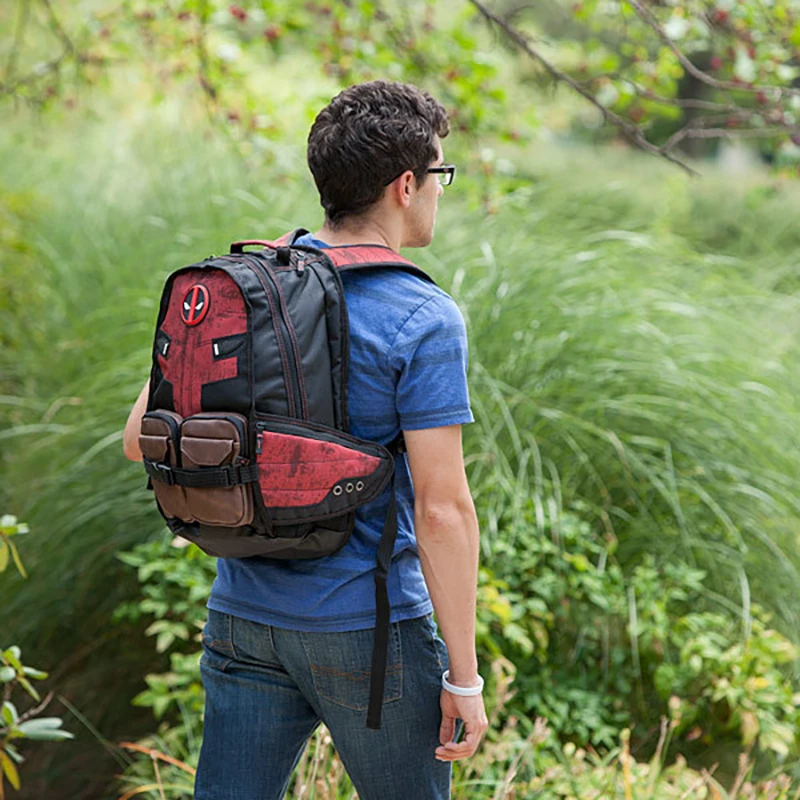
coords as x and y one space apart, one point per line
292 368
317 431
292 393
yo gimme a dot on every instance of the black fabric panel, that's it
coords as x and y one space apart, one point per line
308 299
244 542
338 333
160 392
231 394
270 394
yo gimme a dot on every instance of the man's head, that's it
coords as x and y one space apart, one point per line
369 151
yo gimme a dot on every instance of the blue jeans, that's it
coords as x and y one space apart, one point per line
268 688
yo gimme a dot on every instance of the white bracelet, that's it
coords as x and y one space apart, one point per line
462 691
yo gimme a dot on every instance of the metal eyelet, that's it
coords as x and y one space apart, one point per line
337 490
349 488
359 486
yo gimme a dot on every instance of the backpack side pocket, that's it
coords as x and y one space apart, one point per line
159 442
217 439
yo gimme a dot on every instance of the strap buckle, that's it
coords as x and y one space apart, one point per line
166 474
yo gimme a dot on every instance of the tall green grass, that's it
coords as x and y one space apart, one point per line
633 358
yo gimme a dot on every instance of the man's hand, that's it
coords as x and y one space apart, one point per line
473 713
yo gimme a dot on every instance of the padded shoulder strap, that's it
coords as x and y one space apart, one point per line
346 257
351 257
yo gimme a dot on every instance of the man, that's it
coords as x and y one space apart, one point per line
288 643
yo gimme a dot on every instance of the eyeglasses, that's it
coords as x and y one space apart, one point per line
445 174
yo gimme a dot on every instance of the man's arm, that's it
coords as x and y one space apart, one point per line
130 437
446 527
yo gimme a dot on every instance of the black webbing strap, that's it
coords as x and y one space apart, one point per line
381 640
203 477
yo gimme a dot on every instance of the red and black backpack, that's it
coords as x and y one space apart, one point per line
246 436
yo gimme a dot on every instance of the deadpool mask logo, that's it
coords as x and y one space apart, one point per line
195 305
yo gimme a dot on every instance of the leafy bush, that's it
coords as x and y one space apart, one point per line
14 726
597 650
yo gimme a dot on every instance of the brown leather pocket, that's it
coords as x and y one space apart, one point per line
216 439
158 441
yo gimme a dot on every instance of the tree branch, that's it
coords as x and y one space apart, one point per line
19 33
38 72
680 102
630 130
32 712
59 30
647 17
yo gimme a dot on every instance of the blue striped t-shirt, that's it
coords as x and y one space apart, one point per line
408 370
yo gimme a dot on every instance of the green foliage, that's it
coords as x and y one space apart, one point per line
175 584
731 684
9 527
595 648
13 673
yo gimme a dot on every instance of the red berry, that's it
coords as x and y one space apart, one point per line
716 62
720 16
238 12
761 98
272 33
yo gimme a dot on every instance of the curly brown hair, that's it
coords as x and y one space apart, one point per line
365 137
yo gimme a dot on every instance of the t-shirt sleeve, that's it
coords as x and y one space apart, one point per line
431 359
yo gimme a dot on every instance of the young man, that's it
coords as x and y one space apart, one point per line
288 643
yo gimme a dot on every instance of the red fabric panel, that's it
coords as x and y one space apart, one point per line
295 471
365 254
189 363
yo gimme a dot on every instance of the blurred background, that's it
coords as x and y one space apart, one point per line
622 239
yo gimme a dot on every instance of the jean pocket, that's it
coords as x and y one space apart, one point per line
218 633
341 666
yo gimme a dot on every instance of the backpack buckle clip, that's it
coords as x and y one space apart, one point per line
166 475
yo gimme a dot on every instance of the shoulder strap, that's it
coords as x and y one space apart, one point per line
352 257
346 258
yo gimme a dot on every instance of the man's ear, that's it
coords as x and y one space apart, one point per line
405 186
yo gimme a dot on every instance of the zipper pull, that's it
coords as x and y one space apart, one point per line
300 268
259 443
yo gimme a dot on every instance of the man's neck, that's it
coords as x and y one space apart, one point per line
370 233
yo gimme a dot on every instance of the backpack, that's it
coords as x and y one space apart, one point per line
246 437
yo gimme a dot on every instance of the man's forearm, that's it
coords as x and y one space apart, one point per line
448 544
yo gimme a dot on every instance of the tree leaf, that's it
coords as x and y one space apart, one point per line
9 713
26 685
10 770
49 735
38 674
40 723
17 559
